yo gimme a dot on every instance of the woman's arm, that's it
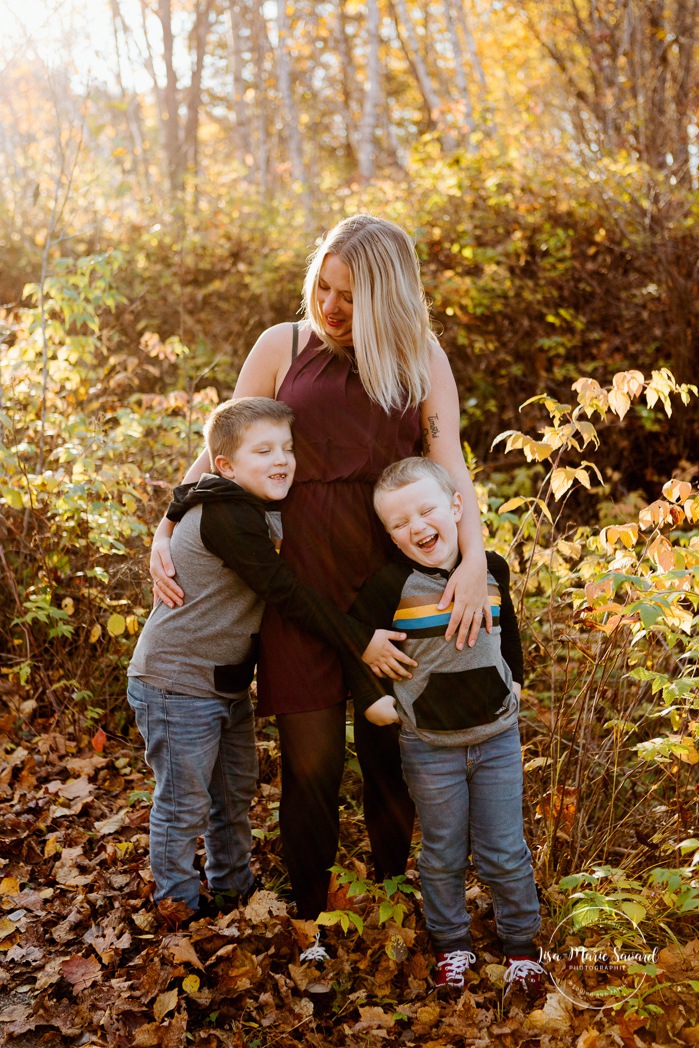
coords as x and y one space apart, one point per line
260 376
467 587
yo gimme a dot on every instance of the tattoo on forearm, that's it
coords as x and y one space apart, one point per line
430 430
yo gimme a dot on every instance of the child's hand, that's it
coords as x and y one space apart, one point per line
383 711
384 659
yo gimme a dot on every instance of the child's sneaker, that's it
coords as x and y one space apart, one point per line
451 967
315 952
526 974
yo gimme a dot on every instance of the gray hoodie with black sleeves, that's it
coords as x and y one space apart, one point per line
228 567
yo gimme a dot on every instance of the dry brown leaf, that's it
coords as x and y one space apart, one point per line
181 951
374 1016
428 1015
164 1003
305 932
587 1039
15 1013
113 823
85 765
264 905
556 1015
146 1036
690 1035
9 886
81 972
77 789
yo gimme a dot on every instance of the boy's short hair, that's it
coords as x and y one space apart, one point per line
408 471
227 424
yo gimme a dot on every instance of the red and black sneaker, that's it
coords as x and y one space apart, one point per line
526 974
451 967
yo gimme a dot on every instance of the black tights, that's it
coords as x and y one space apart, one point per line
313 755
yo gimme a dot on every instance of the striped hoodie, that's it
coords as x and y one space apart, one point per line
455 697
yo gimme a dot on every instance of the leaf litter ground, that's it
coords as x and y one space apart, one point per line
87 960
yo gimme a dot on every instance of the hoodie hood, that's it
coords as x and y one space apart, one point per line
209 488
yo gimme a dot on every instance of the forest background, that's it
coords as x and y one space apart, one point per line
166 167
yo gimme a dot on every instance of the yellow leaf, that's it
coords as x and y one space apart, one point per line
619 402
51 847
561 480
132 624
634 910
95 633
13 498
116 624
191 984
68 605
6 928
511 504
677 490
9 886
165 1003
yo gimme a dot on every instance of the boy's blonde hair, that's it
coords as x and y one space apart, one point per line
391 331
227 424
408 471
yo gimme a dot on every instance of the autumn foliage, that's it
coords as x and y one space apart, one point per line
552 196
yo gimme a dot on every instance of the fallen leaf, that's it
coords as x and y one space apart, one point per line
9 886
113 823
181 951
555 1015
374 1016
99 740
146 1036
81 972
164 1003
77 789
263 905
191 984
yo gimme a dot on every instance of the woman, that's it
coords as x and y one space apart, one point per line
368 385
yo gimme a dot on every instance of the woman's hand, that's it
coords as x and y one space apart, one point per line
383 711
385 659
468 589
162 570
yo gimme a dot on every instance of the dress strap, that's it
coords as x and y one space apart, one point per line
294 340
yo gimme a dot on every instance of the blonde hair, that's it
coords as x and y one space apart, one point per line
390 322
226 426
408 471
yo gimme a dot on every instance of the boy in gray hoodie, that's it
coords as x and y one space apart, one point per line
189 676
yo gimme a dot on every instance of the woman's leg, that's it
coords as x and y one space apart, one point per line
313 755
388 809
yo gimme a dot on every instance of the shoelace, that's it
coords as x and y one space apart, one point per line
316 952
455 964
519 970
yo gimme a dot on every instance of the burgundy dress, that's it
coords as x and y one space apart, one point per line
332 537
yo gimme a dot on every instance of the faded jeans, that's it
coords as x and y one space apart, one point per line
469 800
202 752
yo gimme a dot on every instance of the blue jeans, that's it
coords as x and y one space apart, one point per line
202 752
469 799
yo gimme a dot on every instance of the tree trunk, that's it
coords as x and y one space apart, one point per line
173 150
371 95
293 137
238 18
459 63
199 35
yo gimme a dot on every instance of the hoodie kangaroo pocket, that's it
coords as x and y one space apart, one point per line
465 699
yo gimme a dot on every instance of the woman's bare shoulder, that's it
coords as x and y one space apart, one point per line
268 361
